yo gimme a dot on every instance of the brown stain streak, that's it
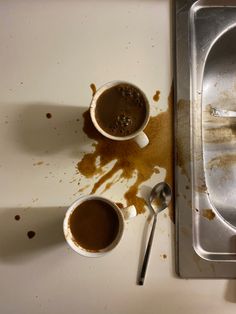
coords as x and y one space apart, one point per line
130 158
156 97
222 161
93 88
38 163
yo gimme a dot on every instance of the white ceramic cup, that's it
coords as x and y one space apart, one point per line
123 214
139 136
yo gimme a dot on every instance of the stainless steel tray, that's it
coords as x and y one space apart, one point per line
206 152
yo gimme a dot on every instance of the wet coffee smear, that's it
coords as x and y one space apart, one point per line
129 158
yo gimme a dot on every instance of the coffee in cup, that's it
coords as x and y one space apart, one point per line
94 225
120 111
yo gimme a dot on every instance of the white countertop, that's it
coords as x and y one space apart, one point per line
50 53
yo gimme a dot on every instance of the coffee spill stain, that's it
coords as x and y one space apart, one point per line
38 163
129 158
156 97
17 217
93 88
221 134
208 213
183 137
30 234
223 161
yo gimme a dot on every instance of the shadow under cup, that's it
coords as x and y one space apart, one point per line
68 227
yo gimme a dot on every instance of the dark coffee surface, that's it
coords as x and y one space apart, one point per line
121 110
94 225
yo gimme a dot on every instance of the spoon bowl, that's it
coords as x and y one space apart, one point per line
160 197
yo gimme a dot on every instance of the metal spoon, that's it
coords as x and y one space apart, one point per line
159 199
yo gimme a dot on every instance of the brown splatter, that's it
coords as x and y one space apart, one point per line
84 188
73 180
48 115
38 163
120 205
164 256
129 157
30 234
197 210
223 161
156 97
221 134
208 213
93 88
17 217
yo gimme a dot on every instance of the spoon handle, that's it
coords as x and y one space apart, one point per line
147 253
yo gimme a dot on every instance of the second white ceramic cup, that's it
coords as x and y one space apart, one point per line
123 214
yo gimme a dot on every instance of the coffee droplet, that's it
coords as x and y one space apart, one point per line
17 217
48 115
156 97
93 88
30 234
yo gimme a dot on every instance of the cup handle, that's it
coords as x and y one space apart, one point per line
129 212
141 139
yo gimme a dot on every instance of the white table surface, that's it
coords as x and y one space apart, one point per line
50 53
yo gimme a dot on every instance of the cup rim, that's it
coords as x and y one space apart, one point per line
72 242
93 103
